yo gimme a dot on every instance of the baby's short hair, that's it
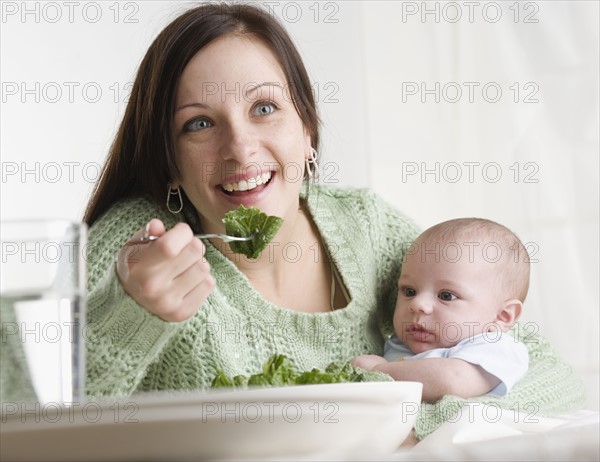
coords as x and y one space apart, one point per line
513 260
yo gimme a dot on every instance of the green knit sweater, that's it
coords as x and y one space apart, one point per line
236 330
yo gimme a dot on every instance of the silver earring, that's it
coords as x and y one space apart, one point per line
170 192
312 165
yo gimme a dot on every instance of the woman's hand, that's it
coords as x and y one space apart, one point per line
169 276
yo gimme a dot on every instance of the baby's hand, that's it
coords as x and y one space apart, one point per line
368 362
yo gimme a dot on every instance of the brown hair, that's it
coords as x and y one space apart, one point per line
513 260
141 160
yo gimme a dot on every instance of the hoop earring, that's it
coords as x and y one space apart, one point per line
312 165
170 192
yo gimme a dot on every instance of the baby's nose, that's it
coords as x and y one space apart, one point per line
421 303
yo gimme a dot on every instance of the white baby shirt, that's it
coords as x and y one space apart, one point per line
497 353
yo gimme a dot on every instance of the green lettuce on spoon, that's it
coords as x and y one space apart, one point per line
250 221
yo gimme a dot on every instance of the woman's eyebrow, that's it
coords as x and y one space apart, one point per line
247 91
257 86
200 105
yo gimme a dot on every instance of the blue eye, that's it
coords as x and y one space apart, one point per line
196 124
446 296
264 108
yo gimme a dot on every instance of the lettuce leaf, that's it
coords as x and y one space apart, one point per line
243 222
278 371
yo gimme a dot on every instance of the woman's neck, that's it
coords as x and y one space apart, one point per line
290 263
291 243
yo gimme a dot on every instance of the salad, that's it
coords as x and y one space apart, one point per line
243 222
278 371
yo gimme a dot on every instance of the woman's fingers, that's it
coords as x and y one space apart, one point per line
154 227
195 297
134 248
171 243
195 273
192 254
168 276
189 289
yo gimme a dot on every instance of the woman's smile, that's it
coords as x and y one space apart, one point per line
240 147
246 184
248 190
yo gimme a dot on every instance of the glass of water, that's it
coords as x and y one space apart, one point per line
42 312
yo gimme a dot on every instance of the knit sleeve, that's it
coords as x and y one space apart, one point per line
392 233
550 387
122 338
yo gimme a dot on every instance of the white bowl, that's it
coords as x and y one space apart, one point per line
348 420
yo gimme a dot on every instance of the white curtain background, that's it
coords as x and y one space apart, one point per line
446 109
528 155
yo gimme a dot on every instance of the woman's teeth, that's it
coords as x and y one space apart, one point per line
249 184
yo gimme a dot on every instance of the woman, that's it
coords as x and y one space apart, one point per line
222 114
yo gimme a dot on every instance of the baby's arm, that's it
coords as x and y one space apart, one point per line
440 376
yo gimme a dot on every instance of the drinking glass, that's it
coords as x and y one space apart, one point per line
42 312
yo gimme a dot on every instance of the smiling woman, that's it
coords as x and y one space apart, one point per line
222 114
245 137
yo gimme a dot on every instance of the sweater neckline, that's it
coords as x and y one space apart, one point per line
335 240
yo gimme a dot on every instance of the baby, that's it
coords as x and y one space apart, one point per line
462 285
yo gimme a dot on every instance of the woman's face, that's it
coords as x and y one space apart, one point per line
237 135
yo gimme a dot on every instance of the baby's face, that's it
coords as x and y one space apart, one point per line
446 295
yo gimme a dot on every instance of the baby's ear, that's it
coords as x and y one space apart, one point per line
509 314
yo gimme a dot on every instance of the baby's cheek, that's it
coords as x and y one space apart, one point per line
400 316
